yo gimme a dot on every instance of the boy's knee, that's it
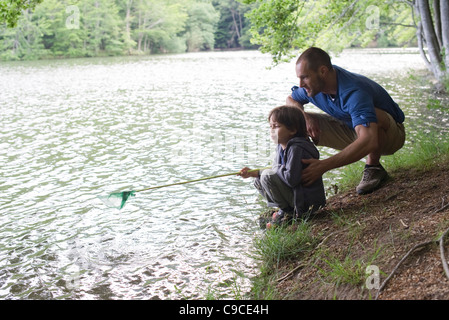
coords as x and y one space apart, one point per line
267 177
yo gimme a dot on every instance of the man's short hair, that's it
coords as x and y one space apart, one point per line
315 58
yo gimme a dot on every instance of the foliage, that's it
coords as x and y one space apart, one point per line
233 26
284 27
78 28
152 26
200 27
10 11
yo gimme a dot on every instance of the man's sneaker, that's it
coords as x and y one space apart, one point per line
372 178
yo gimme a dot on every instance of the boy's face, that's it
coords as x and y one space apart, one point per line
280 134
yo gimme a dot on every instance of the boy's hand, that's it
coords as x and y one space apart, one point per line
248 173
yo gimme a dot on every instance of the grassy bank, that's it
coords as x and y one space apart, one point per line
326 256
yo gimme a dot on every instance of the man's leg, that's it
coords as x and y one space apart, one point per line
383 123
391 137
336 134
374 173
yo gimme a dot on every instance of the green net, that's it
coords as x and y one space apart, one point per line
117 200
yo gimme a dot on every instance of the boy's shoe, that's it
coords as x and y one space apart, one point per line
279 218
372 178
266 218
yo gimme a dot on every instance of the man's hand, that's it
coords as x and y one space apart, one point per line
316 168
313 128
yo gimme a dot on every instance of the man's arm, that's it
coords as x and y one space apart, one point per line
292 102
313 128
367 142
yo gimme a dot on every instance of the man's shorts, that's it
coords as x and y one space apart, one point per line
337 135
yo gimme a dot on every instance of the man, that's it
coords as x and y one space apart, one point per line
360 119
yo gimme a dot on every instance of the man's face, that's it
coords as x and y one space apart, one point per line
312 81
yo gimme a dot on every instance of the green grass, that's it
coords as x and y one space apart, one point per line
281 244
343 271
421 153
275 247
347 270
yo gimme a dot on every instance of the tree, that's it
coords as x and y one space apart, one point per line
51 18
101 23
433 33
10 11
282 27
233 26
201 26
151 26
79 28
23 41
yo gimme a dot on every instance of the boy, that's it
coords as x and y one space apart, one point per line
281 185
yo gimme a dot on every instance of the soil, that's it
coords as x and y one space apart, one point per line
377 229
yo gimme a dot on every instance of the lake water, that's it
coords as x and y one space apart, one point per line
72 130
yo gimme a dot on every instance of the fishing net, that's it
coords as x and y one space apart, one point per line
117 200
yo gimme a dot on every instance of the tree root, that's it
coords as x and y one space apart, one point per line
440 241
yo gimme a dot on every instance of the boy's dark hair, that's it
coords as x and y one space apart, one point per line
315 58
292 117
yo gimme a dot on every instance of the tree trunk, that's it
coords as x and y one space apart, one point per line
128 26
430 38
139 39
437 15
444 7
236 27
421 46
128 18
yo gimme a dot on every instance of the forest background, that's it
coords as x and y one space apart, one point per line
86 28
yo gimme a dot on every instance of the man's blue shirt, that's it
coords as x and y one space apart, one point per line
354 103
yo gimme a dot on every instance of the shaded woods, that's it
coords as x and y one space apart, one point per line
83 28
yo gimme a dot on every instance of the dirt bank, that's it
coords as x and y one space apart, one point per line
377 229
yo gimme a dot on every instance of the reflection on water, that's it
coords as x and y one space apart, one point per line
75 129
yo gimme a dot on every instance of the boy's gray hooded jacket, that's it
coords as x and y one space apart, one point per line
305 198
